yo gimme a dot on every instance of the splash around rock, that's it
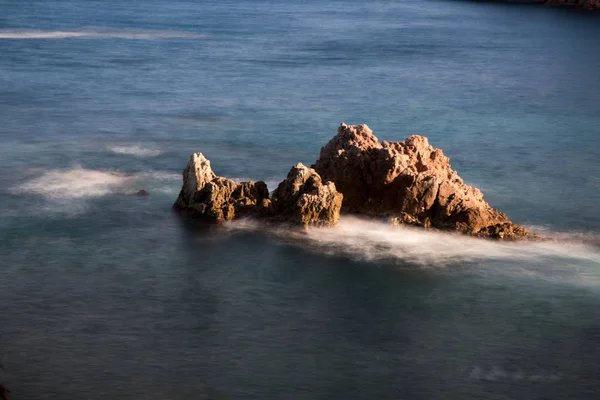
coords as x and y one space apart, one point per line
408 182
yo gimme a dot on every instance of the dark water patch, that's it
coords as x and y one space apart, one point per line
201 118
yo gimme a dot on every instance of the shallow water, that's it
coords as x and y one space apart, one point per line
111 295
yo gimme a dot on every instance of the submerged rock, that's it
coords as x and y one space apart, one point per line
410 182
303 198
219 199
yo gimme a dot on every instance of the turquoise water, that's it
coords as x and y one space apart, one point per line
106 295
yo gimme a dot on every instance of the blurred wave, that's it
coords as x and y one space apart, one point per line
78 184
135 150
372 240
97 34
73 183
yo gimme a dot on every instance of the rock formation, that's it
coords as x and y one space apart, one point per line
301 198
219 199
409 182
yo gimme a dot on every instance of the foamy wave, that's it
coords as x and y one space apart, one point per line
370 240
161 176
548 233
97 34
137 151
81 184
75 183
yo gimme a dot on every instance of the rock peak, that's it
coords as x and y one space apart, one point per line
409 181
418 141
300 166
360 135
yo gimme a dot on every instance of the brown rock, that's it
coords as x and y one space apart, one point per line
196 174
410 182
216 198
303 198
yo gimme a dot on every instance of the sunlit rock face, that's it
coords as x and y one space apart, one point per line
301 198
219 199
409 182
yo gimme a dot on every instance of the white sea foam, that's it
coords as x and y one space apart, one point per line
369 240
97 34
60 186
161 176
135 150
73 184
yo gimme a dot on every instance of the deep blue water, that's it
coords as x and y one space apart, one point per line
112 296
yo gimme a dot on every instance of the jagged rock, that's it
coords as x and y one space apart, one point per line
196 174
216 198
410 182
303 198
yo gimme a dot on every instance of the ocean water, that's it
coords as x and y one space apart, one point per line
110 296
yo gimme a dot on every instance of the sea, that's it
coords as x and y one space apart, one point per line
104 295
